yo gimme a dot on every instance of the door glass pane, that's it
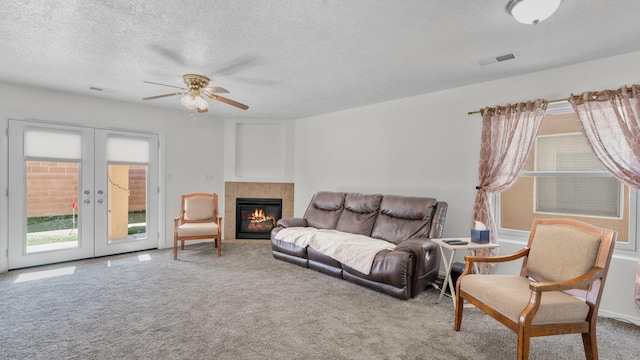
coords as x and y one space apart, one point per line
52 205
127 214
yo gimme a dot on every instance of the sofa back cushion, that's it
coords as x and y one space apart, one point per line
359 213
403 217
324 209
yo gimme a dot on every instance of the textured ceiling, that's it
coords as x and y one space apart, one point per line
295 58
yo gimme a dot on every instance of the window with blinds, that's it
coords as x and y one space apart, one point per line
569 179
562 178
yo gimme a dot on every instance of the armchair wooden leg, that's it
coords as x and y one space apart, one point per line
523 345
175 248
590 345
457 324
219 246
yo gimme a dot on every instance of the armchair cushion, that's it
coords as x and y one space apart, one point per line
561 253
198 229
199 208
509 295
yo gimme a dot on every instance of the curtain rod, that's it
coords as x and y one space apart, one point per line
549 101
594 94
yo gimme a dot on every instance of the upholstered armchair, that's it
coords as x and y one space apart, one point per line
558 291
199 219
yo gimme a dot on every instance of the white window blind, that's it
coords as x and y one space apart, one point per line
571 180
568 152
127 149
50 144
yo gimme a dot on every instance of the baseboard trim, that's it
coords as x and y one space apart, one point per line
619 317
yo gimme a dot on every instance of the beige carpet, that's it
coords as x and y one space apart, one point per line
246 305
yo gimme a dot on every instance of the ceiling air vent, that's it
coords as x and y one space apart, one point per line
505 57
109 91
496 59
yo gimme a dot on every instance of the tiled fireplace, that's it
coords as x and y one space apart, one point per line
257 190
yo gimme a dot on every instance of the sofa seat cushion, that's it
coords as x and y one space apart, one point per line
509 295
318 257
286 247
356 251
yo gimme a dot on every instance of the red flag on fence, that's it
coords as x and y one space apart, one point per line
74 205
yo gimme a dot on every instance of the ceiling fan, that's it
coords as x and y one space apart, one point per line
194 93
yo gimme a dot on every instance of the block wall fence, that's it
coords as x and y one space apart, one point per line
53 188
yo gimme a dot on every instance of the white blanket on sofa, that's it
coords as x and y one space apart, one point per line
355 251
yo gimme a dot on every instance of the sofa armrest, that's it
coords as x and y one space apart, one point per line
292 222
427 263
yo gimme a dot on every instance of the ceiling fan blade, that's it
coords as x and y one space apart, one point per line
215 89
162 96
229 101
155 83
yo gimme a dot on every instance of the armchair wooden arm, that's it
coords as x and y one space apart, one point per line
497 259
179 217
470 259
581 282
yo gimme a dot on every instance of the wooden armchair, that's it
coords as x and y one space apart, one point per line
199 219
558 290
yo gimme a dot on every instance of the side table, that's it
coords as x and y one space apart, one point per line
448 263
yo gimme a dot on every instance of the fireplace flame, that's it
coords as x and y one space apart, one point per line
259 216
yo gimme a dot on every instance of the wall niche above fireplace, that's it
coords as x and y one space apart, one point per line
256 217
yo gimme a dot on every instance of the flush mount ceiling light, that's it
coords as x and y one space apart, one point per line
532 11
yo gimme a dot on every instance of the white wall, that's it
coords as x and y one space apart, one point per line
428 145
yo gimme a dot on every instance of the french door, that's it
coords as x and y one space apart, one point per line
79 192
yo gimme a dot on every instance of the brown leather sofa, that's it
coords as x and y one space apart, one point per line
407 221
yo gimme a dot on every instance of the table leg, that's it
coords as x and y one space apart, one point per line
447 275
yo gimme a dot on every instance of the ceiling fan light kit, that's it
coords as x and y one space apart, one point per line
196 102
532 12
193 95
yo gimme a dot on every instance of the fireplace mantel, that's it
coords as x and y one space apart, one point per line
263 190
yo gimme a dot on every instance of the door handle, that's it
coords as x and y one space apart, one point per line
87 201
100 201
